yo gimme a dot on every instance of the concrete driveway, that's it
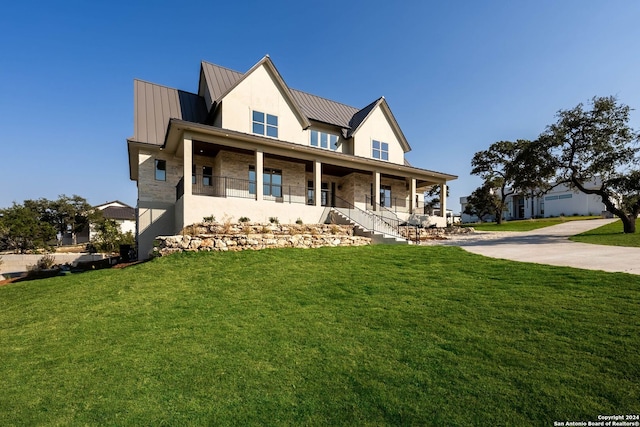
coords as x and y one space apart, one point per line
550 245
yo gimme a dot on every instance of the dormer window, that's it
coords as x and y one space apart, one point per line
324 140
379 150
265 124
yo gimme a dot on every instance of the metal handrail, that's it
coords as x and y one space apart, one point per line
377 224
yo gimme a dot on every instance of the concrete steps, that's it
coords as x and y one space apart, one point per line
379 232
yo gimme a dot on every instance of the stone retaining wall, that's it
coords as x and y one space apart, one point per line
409 233
238 237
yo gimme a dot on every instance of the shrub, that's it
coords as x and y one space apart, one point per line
247 229
44 263
335 229
244 219
226 227
210 218
274 220
189 230
299 221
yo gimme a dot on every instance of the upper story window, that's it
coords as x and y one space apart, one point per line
324 140
265 124
379 150
161 170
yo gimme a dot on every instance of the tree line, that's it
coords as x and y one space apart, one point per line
586 144
42 224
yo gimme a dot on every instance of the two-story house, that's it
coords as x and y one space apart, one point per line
247 145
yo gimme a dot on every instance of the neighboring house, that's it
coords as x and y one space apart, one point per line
560 201
123 214
247 145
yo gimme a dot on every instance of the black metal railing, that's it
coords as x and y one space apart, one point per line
393 204
224 186
367 219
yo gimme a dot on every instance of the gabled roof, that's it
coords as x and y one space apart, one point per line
119 212
218 79
118 202
361 116
154 105
221 80
271 68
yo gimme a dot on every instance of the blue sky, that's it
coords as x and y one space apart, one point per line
458 75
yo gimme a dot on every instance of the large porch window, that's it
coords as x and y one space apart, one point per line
272 181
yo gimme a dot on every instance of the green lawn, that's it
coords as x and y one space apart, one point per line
379 335
610 234
526 224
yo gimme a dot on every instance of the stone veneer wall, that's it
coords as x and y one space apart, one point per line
238 237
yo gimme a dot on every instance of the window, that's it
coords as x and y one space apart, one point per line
193 174
265 124
252 180
324 140
385 196
271 182
311 200
207 174
161 170
380 150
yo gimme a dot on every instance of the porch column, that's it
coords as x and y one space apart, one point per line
443 200
376 190
259 175
187 161
413 206
317 182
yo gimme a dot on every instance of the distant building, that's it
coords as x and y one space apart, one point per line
560 201
123 214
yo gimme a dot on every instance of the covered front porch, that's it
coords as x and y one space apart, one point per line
296 183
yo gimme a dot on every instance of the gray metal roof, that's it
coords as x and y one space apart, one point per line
119 212
359 116
154 105
324 110
220 79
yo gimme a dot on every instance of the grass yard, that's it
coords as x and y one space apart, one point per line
526 224
379 335
610 234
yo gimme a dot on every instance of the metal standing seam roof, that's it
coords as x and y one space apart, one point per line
220 79
154 105
119 212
